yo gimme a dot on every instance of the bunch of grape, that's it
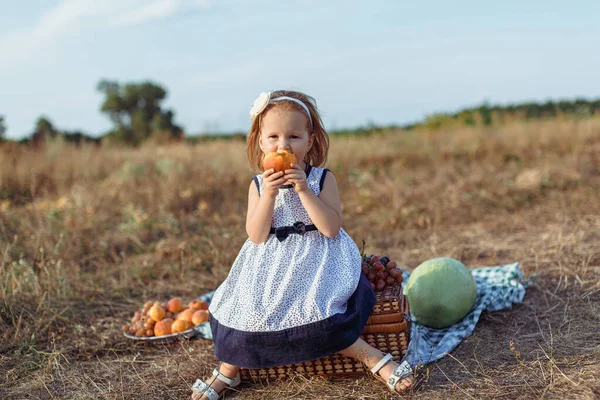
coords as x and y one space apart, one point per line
381 272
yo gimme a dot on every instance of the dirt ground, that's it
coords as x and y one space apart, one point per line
72 275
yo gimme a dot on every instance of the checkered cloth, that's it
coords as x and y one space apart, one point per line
497 288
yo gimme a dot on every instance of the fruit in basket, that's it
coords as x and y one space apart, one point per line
181 325
381 271
163 327
441 292
174 305
198 304
378 266
395 273
279 160
156 312
199 317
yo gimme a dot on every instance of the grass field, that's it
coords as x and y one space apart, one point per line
88 235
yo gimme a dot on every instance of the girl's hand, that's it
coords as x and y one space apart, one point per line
297 177
271 182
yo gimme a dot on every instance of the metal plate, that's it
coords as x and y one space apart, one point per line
201 330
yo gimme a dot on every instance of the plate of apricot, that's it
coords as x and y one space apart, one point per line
172 320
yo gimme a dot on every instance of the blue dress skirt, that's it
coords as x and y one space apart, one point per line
296 344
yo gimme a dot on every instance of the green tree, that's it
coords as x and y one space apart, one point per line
43 131
467 117
486 113
135 109
2 127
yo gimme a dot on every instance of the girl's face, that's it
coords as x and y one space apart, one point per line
286 130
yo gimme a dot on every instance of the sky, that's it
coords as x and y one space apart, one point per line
381 62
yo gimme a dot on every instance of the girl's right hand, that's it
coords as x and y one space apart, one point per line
271 182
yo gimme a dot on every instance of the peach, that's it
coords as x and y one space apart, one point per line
156 312
163 327
174 305
200 316
180 326
198 305
186 315
279 161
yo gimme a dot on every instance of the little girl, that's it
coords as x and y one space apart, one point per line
295 291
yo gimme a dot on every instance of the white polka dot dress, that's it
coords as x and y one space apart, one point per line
291 299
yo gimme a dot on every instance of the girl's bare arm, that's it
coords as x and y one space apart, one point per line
260 208
325 210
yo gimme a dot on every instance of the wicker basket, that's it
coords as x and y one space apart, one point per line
387 329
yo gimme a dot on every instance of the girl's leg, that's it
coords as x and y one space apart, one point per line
369 355
226 369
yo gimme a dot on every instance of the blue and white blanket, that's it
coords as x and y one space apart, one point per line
497 288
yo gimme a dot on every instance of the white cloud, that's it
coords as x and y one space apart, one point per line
68 16
159 9
74 15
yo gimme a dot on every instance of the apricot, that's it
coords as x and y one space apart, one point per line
156 312
199 317
279 161
198 305
181 325
186 315
163 327
149 324
174 305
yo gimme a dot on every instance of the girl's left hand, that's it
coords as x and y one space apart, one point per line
297 177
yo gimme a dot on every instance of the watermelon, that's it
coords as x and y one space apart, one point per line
440 292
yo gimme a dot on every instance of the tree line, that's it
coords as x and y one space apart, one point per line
138 115
486 114
135 109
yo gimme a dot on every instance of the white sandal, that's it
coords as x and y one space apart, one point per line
401 371
205 389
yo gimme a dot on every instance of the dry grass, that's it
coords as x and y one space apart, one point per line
87 235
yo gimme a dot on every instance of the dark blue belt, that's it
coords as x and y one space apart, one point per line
299 227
